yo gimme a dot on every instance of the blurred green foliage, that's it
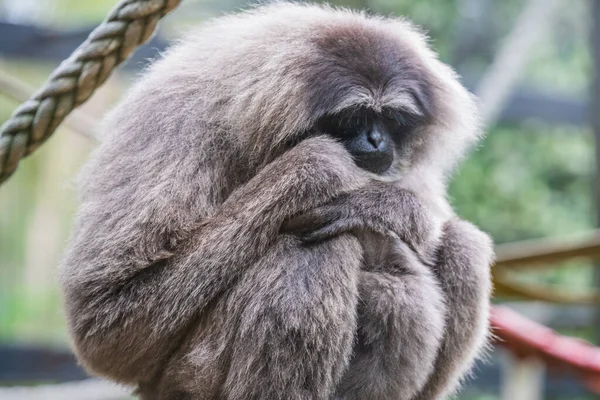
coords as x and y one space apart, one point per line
528 181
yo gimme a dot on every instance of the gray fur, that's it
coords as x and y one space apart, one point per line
189 274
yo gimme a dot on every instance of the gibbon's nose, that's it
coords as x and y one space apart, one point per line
375 138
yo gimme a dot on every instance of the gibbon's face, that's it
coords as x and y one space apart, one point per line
372 138
371 90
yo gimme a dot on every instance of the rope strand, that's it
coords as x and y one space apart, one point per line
130 24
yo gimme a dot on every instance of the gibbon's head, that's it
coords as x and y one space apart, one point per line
283 72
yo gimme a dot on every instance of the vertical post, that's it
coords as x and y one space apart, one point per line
522 378
595 121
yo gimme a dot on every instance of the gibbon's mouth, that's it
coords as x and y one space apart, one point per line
376 163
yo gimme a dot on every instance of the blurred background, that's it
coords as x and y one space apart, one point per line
533 63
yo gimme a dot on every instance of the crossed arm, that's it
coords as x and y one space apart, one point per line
130 298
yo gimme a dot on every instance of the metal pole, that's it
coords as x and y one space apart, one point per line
595 121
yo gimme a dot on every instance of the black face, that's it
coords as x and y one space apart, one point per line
370 137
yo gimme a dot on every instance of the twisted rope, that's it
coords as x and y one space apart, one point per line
129 24
15 89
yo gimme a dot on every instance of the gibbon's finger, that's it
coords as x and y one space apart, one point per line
331 230
312 219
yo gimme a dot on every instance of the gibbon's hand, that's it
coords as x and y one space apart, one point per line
379 207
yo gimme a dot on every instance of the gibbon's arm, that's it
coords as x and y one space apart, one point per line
127 312
400 326
379 207
463 270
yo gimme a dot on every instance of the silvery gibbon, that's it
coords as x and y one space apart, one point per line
266 218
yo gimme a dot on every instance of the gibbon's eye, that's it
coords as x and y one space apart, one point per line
401 124
366 136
